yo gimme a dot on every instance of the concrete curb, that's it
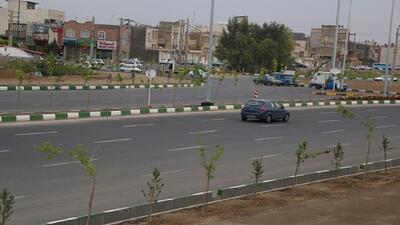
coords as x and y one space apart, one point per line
119 215
88 87
7 118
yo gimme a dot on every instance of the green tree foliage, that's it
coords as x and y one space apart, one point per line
385 147
209 166
52 48
250 46
154 188
346 113
50 150
257 172
80 153
50 62
6 206
302 155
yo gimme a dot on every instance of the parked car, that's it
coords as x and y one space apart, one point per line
382 78
287 79
129 68
268 80
265 110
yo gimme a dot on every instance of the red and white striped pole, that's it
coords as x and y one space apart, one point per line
255 94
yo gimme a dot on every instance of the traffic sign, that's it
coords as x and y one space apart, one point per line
151 74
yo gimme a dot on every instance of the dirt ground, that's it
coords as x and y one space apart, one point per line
102 78
371 200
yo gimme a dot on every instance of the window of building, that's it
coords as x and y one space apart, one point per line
30 5
102 35
85 34
70 33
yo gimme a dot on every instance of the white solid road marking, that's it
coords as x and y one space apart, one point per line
64 163
20 197
216 119
112 141
343 144
332 131
329 121
165 172
328 112
378 117
266 156
392 138
4 151
138 125
387 126
185 148
277 125
203 132
374 110
37 133
269 138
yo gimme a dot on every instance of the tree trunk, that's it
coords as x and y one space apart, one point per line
385 154
52 100
149 218
88 100
91 200
18 97
295 174
367 158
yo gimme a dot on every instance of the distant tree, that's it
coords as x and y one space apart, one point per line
50 150
80 153
7 201
385 147
209 166
120 80
251 46
368 126
154 188
87 77
257 172
20 78
236 79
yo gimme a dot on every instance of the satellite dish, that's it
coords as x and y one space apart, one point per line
151 74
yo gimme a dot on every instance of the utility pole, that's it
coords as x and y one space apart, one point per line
187 41
92 39
395 53
208 101
10 32
19 18
385 89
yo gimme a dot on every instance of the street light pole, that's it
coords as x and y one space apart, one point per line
208 101
346 50
334 54
385 90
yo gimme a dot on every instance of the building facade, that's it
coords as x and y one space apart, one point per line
110 42
322 41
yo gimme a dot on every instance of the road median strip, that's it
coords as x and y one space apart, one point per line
88 87
8 118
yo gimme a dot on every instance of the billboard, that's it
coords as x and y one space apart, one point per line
106 45
40 32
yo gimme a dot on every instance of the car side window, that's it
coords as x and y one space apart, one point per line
271 105
277 105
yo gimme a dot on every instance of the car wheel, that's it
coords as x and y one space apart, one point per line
286 118
268 119
244 118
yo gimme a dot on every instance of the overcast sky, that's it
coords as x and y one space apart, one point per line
370 18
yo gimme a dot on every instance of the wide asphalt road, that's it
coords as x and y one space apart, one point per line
41 101
129 148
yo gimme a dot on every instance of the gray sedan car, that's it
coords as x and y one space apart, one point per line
265 110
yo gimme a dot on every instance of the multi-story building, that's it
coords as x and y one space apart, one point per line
322 41
383 54
365 53
144 43
108 41
301 51
172 39
30 25
4 18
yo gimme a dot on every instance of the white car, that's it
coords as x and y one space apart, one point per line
129 68
382 78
